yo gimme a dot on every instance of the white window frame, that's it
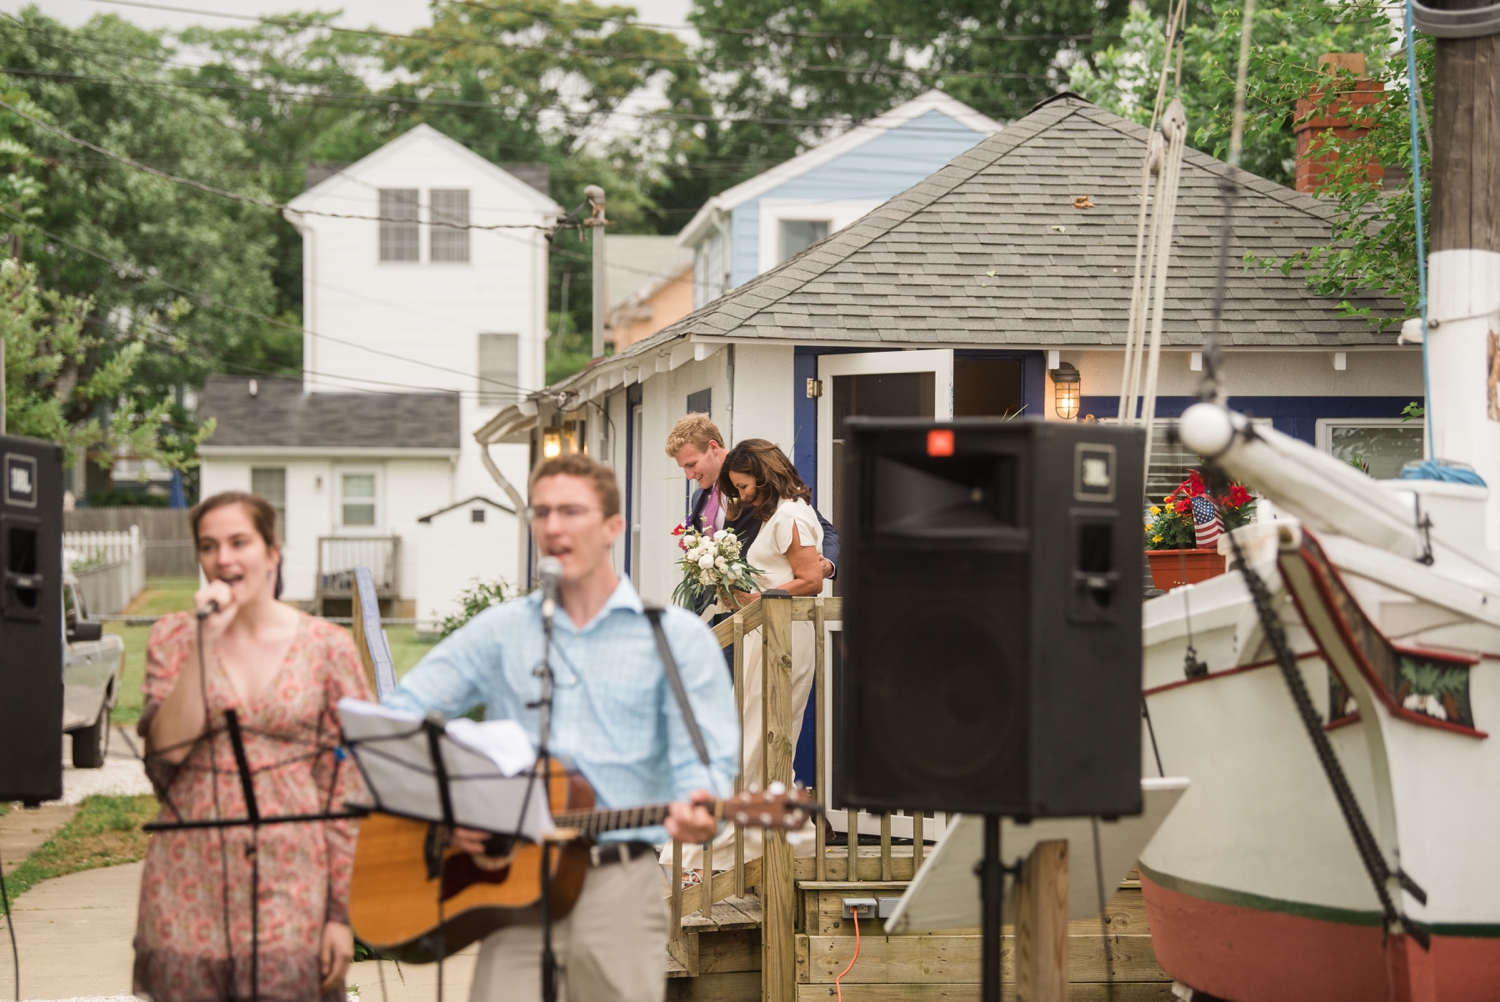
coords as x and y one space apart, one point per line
938 361
710 274
1323 436
457 237
281 515
493 394
386 216
375 529
837 213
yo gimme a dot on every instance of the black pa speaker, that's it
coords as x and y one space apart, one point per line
31 627
992 617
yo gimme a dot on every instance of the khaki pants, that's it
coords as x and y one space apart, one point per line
612 947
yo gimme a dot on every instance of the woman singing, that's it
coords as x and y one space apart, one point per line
788 552
283 672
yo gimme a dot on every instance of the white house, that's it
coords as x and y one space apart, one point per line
424 311
962 296
757 224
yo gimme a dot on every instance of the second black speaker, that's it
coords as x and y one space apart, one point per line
992 588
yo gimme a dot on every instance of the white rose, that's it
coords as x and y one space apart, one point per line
721 534
706 561
721 564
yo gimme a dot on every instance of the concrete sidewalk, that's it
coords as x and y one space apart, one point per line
75 938
74 935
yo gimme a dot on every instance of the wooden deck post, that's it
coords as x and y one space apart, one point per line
778 894
1042 925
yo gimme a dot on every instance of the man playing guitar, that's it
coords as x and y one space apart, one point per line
614 719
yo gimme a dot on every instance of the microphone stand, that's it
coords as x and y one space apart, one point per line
544 735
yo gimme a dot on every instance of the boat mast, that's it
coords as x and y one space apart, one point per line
1464 263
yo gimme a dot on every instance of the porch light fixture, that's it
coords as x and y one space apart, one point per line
552 443
1069 390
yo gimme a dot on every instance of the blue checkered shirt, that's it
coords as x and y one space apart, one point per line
614 717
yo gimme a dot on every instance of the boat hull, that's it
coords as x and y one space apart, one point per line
1244 948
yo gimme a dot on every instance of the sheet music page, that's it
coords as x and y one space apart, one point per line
486 764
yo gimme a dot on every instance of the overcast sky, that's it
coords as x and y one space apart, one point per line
389 15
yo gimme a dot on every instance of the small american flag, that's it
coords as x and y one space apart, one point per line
1206 524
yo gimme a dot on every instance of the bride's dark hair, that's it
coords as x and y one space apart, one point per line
775 477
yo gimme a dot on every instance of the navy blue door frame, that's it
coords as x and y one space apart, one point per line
632 403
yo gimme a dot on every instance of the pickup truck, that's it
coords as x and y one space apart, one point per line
92 662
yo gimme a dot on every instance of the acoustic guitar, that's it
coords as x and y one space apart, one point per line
415 898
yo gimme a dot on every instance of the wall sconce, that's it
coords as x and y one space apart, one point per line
1069 387
559 439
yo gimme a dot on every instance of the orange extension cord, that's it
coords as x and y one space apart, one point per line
836 981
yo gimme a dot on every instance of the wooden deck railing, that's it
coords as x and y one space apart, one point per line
774 872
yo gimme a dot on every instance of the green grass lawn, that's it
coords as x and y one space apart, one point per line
164 595
106 831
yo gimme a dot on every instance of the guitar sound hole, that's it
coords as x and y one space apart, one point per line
497 846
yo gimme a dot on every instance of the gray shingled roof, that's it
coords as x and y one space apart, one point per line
281 415
974 254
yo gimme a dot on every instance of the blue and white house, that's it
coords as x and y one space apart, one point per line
759 223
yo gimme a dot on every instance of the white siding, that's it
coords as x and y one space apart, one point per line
452 550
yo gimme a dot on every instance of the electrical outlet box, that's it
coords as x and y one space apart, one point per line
887 905
866 907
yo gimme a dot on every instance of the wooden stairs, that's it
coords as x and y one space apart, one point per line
717 958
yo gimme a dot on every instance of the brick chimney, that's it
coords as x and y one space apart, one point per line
1314 123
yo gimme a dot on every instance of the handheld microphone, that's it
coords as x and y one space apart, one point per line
209 609
549 570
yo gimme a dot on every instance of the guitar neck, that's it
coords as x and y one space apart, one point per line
595 822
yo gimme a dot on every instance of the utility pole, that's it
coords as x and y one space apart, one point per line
1463 337
598 223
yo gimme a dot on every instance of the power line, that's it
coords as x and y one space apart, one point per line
583 54
322 97
251 199
768 30
205 299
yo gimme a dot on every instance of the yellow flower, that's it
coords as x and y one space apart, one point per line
1155 510
1156 539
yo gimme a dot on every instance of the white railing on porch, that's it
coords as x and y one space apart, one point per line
338 556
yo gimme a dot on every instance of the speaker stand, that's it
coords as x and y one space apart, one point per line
992 900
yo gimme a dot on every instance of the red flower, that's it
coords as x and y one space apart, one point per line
1238 495
679 530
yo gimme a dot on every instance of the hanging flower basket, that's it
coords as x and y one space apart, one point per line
1174 568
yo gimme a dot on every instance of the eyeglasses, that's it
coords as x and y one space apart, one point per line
567 512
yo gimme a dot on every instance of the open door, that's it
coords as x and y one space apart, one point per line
875 384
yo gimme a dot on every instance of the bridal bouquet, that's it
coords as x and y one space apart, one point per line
712 567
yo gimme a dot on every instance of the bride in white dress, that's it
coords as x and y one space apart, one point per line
788 551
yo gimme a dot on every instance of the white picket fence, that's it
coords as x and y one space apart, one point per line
110 567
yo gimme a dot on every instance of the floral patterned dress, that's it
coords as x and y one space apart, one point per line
291 737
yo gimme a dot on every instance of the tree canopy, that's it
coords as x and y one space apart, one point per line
129 289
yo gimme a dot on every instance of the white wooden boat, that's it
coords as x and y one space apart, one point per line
1390 600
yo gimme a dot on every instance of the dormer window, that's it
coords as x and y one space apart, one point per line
450 210
400 238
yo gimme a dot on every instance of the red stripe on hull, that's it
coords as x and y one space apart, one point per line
1250 955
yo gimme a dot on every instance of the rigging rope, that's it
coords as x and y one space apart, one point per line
1151 166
